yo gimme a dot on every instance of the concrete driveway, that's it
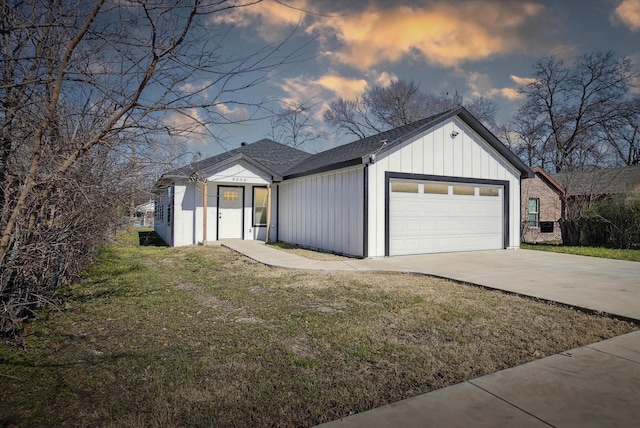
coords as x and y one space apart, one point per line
611 286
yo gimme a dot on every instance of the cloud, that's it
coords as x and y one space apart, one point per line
384 78
301 89
522 81
269 18
342 86
628 12
234 114
481 86
443 33
191 88
187 126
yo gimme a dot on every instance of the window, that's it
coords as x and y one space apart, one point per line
404 187
159 209
464 190
534 212
230 195
260 198
436 189
169 204
489 191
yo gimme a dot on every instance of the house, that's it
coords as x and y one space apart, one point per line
144 214
597 183
541 208
444 183
546 198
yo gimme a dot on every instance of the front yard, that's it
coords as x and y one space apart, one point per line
201 336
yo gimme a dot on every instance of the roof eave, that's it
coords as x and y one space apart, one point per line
326 168
545 176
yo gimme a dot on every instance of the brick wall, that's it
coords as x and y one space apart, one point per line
550 210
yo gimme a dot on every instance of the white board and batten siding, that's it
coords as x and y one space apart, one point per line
438 154
188 204
324 211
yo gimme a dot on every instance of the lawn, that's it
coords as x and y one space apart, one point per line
202 336
607 253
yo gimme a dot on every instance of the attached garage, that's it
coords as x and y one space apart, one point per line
440 215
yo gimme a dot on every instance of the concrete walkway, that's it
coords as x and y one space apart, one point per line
596 385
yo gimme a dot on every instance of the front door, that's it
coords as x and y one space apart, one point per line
230 212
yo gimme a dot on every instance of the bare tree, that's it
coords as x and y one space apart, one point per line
567 107
401 102
88 90
295 125
622 132
351 117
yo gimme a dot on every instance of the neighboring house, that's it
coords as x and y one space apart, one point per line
546 198
542 199
144 214
444 183
597 183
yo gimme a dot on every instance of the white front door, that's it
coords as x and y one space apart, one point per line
230 212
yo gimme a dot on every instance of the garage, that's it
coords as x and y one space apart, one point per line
436 216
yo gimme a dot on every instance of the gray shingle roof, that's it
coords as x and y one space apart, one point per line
605 181
274 157
286 162
355 151
359 151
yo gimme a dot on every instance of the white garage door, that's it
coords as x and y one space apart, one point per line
436 217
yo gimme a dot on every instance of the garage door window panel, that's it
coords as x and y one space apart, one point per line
489 191
436 189
464 190
399 187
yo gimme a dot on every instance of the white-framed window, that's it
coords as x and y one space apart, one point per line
534 212
159 208
260 206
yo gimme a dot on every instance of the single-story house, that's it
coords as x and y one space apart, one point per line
597 183
541 210
444 183
547 198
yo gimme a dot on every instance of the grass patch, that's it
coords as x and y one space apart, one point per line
201 336
606 253
306 253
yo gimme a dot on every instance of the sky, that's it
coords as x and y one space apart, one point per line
478 48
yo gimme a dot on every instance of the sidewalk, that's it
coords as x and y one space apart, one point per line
593 386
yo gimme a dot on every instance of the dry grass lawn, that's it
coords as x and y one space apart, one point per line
306 253
202 336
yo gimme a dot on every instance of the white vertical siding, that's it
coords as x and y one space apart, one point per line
183 215
324 211
437 153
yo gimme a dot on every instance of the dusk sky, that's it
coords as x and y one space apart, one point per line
478 48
